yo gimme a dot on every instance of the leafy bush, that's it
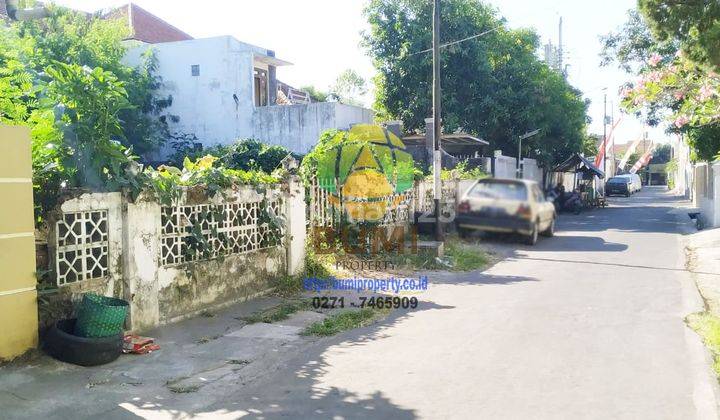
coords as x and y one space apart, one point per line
63 77
167 181
245 154
461 171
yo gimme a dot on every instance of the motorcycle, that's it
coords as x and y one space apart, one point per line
572 203
554 197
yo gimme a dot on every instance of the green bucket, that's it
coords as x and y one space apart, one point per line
100 316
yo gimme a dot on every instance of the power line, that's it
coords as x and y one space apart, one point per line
458 41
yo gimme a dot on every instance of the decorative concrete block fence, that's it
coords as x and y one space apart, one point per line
173 261
418 199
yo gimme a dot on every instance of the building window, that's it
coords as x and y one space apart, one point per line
261 87
195 69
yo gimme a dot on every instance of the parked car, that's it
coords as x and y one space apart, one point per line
619 185
506 205
635 182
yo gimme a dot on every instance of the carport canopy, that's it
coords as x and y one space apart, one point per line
578 163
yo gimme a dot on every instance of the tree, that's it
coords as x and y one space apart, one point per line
591 144
493 86
316 94
662 154
695 24
669 85
63 77
633 44
349 88
72 37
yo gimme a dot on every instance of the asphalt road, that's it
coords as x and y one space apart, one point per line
588 324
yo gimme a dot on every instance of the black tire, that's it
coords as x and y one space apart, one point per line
61 344
532 238
577 208
550 231
627 194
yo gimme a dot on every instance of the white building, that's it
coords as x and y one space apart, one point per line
223 89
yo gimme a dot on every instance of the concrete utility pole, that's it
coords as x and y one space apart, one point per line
604 142
437 121
560 49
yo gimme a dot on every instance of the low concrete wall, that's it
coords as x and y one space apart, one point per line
187 289
147 262
298 127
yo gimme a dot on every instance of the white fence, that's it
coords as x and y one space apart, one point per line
505 167
419 199
173 261
531 170
706 192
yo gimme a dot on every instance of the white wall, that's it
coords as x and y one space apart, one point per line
205 103
684 174
505 167
298 127
532 171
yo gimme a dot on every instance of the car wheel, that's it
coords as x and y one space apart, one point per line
550 231
532 238
627 194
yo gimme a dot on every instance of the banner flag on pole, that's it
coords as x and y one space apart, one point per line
644 160
629 152
602 149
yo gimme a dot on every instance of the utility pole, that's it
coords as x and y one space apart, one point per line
611 122
604 142
560 48
437 121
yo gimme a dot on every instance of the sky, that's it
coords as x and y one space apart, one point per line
322 38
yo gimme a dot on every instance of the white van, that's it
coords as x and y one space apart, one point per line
635 182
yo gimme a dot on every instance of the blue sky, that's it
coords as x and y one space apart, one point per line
321 37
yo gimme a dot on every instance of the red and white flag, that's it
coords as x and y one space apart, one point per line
606 144
644 160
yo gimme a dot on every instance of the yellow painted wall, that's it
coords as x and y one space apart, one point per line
18 297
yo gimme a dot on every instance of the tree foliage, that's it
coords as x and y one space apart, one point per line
493 86
669 86
349 88
316 94
695 24
89 113
662 154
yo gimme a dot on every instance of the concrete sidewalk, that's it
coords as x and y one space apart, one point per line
195 354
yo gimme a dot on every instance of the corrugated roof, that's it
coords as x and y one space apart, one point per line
147 27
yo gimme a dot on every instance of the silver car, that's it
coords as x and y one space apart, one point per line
506 205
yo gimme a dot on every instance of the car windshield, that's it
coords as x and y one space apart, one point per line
502 190
618 181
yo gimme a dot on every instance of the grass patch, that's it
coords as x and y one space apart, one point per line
280 312
708 326
344 321
459 256
315 266
465 257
